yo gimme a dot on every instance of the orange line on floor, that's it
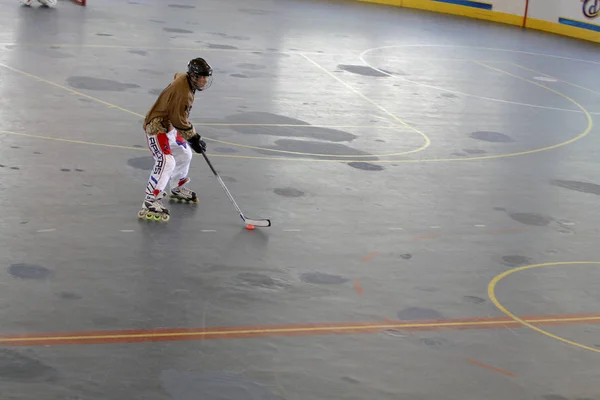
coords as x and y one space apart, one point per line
357 287
490 367
434 235
237 332
369 256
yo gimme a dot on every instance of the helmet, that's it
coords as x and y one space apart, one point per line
199 67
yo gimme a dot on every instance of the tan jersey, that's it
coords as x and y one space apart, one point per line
172 109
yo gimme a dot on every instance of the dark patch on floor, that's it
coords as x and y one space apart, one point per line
449 95
91 83
531 219
65 170
238 75
473 299
181 6
151 71
157 21
305 131
495 137
143 163
260 280
289 192
253 67
226 36
221 46
416 313
17 168
36 152
228 179
138 146
474 151
18 367
2 165
516 261
363 70
350 379
434 342
427 289
320 278
394 332
70 296
406 256
139 52
365 166
79 170
29 271
579 186
177 30
155 92
104 34
499 209
180 385
225 150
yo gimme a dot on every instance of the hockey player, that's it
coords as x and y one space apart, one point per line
170 135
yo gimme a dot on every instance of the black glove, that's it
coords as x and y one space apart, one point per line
197 144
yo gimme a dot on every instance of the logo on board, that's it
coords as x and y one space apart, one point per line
591 8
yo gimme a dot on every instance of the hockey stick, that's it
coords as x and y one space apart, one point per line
248 221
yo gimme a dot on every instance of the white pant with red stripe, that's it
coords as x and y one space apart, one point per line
172 158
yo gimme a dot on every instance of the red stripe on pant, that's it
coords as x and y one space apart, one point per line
163 141
159 152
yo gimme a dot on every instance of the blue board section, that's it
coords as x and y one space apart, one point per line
467 3
579 24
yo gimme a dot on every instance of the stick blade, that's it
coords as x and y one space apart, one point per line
263 223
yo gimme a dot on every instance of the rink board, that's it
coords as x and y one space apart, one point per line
577 19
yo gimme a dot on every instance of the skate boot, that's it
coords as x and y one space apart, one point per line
153 209
183 194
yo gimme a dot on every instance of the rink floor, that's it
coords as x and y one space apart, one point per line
433 185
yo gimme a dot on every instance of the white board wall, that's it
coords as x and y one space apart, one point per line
552 10
515 7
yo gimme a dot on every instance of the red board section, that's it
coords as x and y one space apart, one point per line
81 2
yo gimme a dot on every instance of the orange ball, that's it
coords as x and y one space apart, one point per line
250 227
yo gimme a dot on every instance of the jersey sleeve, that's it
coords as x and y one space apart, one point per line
179 117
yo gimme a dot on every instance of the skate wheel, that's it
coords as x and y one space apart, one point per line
141 214
156 217
166 217
149 216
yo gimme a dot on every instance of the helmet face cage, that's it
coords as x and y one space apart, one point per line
199 67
